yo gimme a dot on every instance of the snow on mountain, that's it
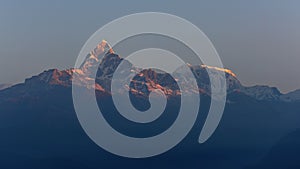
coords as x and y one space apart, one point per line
93 58
262 92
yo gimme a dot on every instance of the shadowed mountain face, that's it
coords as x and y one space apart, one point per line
40 129
285 154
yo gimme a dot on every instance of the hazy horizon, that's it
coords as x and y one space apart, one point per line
259 41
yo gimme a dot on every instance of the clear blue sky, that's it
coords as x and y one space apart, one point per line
259 39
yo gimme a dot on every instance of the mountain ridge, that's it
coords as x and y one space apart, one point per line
4 86
148 80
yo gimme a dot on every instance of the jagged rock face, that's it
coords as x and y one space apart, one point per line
106 70
93 58
149 80
108 65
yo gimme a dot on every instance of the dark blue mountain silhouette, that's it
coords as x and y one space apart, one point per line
40 130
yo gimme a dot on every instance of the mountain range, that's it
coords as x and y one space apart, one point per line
40 129
149 78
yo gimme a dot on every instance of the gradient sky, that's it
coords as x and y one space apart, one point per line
259 39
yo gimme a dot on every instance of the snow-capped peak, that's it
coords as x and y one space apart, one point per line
102 47
92 60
